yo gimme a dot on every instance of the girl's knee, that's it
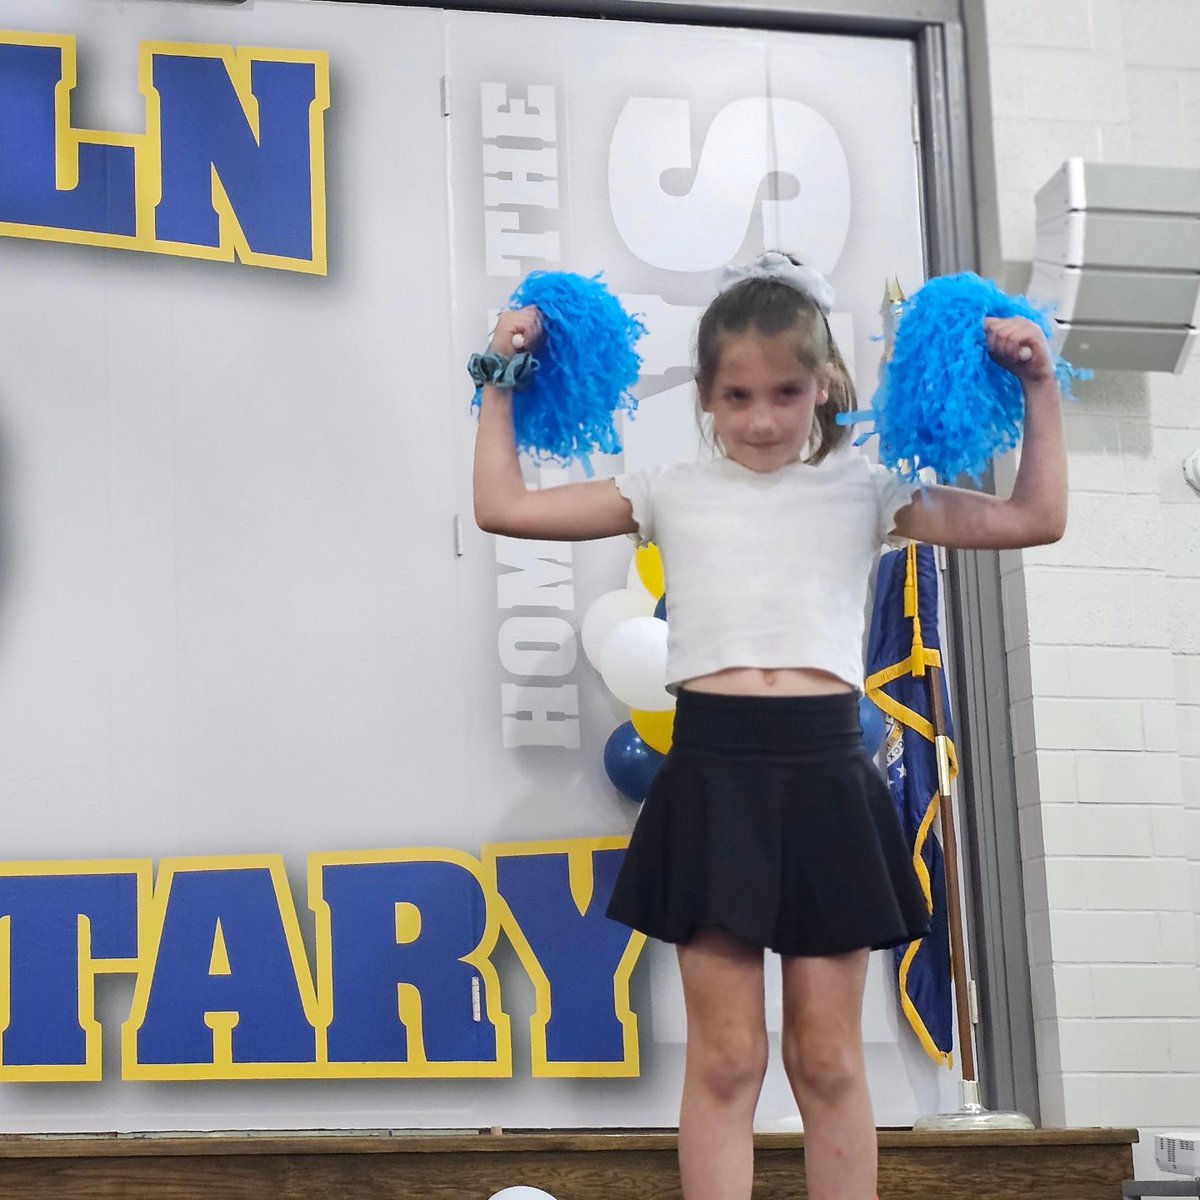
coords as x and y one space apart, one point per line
822 1066
729 1064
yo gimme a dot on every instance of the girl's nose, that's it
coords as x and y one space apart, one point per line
761 417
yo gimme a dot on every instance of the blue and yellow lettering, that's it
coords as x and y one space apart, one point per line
226 992
232 162
405 982
49 175
237 152
403 940
553 900
61 924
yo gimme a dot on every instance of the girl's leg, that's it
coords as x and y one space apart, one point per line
823 1057
726 1062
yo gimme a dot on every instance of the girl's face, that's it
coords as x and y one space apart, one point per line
762 400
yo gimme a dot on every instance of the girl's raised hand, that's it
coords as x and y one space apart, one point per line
1019 346
517 329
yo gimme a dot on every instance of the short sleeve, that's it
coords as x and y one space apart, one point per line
892 493
638 488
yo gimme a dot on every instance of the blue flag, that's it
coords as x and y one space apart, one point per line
902 645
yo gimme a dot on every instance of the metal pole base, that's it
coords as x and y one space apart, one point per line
972 1116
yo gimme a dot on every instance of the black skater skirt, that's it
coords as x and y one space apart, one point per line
769 820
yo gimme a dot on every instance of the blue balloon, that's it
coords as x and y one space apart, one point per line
631 765
874 724
660 609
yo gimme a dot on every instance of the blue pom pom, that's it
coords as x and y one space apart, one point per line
944 402
587 366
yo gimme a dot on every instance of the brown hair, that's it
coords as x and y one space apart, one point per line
770 307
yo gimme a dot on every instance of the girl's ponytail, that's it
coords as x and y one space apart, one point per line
827 433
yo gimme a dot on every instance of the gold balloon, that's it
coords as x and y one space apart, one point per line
654 728
650 570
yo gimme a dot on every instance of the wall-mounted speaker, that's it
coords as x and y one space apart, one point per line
1117 259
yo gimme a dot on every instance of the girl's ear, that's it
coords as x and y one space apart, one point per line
705 399
824 379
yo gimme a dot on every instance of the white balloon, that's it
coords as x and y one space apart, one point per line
606 613
522 1193
633 662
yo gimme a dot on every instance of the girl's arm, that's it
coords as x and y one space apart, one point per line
1036 512
503 504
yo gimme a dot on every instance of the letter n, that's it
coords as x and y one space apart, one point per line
242 146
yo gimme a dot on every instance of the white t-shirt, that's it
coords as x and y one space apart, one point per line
766 569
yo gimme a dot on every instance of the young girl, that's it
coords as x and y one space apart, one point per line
769 826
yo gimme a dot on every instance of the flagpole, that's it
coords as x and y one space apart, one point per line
958 953
971 1113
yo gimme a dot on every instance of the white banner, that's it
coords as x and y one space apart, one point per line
260 670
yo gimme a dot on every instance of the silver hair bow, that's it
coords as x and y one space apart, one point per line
774 265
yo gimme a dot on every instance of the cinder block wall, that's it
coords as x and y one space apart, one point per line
1103 629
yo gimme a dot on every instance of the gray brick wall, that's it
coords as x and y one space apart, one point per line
1103 629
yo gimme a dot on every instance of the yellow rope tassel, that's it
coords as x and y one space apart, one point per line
912 609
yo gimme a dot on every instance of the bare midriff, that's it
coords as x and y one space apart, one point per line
762 681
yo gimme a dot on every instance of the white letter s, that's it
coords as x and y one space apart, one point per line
748 140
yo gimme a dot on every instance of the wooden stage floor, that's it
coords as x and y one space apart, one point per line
1078 1164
